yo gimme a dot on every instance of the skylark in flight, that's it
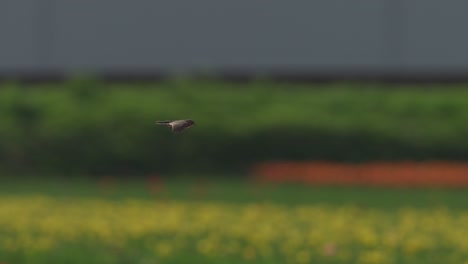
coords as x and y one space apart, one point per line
177 126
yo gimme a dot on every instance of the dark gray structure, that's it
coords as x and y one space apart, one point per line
332 38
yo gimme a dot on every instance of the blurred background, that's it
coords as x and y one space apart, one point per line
309 114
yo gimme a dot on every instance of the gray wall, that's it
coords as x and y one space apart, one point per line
331 37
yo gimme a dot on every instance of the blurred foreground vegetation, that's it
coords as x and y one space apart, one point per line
120 221
88 126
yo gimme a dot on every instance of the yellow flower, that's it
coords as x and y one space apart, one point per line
163 249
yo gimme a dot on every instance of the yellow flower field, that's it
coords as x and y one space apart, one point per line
147 231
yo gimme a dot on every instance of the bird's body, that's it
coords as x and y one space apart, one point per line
177 126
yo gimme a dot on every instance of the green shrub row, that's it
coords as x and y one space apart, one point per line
89 126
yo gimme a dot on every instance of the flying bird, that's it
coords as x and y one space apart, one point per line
177 126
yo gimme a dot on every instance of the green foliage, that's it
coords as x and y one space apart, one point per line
88 126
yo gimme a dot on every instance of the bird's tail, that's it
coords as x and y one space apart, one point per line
162 122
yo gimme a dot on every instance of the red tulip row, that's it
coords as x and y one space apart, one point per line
398 174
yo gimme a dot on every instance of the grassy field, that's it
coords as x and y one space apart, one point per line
110 220
232 191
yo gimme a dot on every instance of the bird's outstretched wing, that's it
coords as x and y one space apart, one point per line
164 122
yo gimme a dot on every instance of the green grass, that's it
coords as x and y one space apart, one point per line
236 191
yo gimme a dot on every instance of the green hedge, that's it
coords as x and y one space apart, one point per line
88 126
